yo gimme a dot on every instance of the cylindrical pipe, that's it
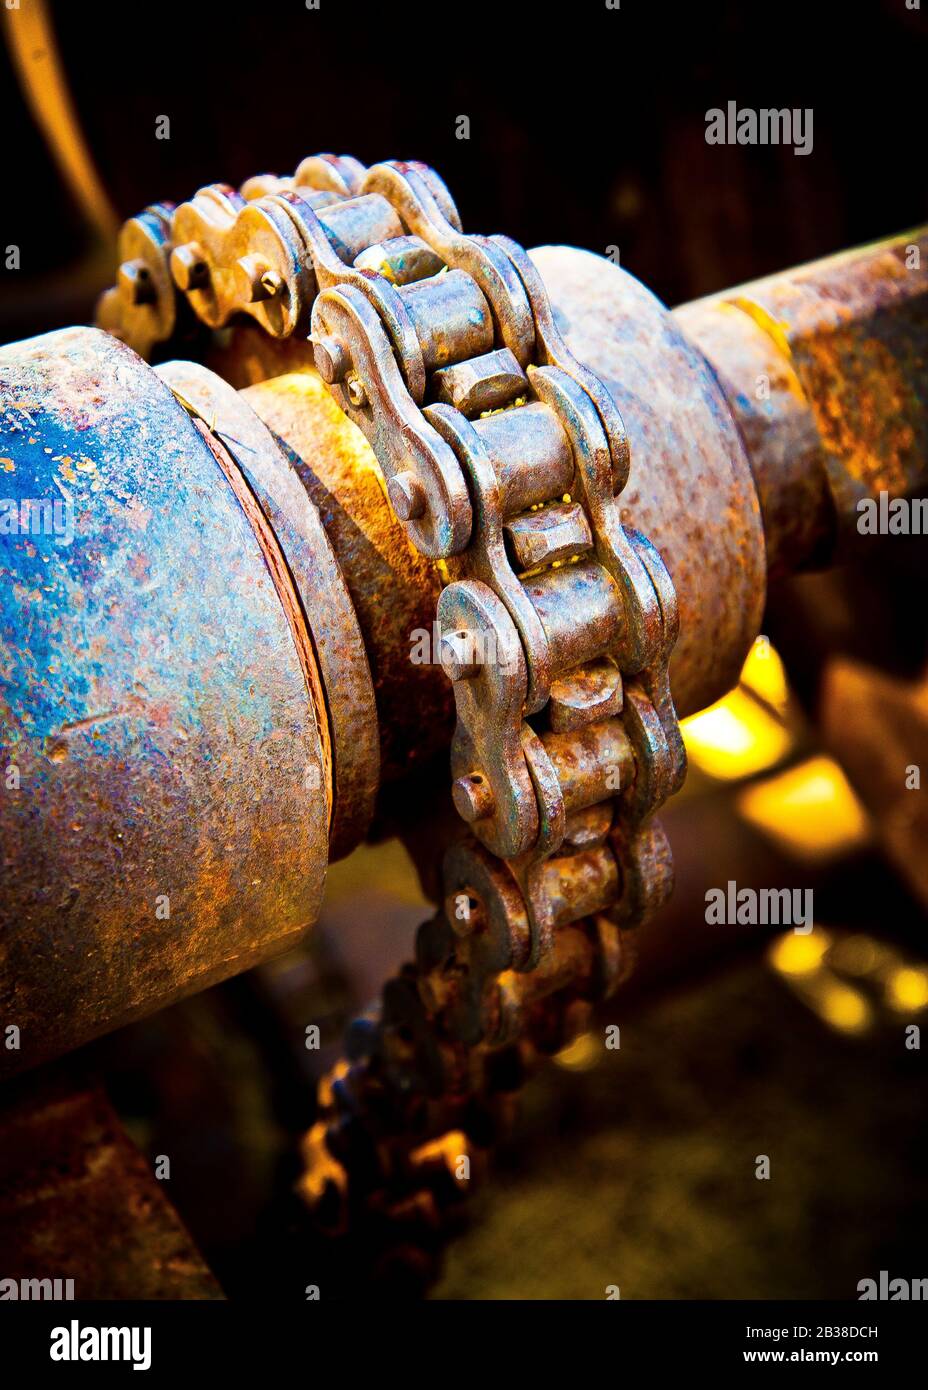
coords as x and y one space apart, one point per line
727 479
690 489
823 368
159 826
163 787
394 589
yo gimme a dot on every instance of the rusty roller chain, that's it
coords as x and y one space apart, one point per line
505 459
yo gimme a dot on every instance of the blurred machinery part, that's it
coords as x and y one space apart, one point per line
79 1202
878 728
31 39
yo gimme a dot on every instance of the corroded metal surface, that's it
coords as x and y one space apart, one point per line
79 1202
690 487
783 351
243 355
526 439
454 481
162 812
223 253
684 445
394 589
823 369
141 309
346 690
565 851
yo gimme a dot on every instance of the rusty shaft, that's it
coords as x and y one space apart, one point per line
757 419
823 368
202 688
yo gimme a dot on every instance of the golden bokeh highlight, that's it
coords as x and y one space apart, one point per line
734 738
793 954
906 989
764 675
809 810
581 1054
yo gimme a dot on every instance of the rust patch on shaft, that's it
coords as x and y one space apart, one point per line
286 591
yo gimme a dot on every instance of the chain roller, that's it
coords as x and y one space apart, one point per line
505 459
557 630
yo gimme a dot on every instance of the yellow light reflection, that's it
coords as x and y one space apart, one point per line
763 673
734 738
800 960
840 1005
446 1152
777 329
792 954
579 1055
813 965
338 1073
907 989
32 43
809 810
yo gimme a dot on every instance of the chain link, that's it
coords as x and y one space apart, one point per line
557 630
224 252
504 459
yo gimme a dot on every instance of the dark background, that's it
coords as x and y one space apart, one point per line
587 124
587 127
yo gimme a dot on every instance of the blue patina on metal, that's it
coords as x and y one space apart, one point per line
161 777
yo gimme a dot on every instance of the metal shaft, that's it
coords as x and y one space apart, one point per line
823 369
757 420
202 689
